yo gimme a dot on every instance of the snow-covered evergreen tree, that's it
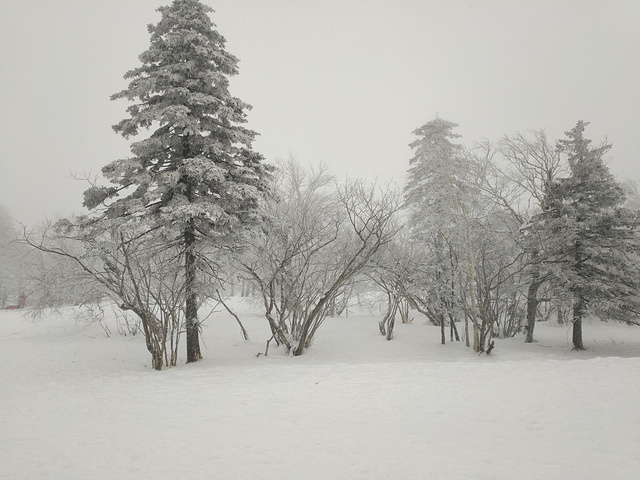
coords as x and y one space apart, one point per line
196 174
589 240
435 173
441 200
432 195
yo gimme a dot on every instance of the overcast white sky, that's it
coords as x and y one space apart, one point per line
339 81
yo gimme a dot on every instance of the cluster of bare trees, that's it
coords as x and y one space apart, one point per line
136 273
318 238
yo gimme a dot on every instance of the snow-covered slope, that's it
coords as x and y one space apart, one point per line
77 405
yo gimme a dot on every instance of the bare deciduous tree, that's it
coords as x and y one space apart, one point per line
317 240
138 273
533 164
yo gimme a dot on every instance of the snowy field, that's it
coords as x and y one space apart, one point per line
77 405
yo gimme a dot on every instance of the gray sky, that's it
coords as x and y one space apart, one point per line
339 81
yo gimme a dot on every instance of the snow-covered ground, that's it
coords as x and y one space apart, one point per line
77 405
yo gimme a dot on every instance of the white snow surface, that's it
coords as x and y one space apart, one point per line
75 404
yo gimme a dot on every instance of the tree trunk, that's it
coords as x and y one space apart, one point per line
191 304
317 311
466 330
156 360
477 346
404 308
388 321
579 302
578 312
391 321
454 329
532 307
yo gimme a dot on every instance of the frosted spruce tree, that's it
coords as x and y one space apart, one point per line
589 241
195 178
433 196
433 178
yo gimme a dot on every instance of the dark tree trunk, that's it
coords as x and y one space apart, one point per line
192 326
578 312
318 310
454 329
150 336
452 320
391 321
532 307
156 360
579 302
466 330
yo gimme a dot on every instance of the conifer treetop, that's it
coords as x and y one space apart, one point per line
434 137
591 185
186 65
197 163
436 170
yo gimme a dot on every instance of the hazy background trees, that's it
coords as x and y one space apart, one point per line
10 277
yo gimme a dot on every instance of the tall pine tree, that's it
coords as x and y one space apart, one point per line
432 196
433 178
195 176
589 240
